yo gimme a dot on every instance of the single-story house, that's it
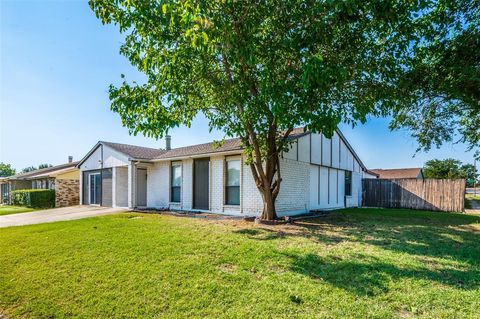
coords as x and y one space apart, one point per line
317 172
64 179
399 173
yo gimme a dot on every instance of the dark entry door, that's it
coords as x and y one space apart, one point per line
201 178
95 188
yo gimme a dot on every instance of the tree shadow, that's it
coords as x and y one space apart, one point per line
446 246
369 276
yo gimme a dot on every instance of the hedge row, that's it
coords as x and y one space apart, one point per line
38 198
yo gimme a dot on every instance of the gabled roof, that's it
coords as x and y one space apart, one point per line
397 173
229 145
131 151
137 152
44 172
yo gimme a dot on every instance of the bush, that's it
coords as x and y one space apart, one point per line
37 198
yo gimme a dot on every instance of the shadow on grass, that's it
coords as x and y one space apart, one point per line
448 238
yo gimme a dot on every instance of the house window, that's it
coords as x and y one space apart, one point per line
176 183
348 183
232 188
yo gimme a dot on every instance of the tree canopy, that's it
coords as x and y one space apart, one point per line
442 83
258 69
450 168
29 169
6 170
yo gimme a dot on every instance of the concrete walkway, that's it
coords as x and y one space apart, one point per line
56 214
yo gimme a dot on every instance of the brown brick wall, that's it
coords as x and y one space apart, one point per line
67 192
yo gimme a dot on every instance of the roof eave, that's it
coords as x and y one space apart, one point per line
231 152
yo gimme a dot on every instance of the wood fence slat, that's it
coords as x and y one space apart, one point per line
424 194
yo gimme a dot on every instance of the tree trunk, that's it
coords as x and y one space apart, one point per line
268 181
269 212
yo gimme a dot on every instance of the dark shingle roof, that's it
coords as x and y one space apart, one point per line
233 144
398 173
138 152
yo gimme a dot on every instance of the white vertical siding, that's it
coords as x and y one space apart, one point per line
326 151
333 193
341 188
323 192
335 150
111 158
316 147
314 184
303 148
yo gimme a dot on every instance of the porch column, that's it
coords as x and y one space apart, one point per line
131 185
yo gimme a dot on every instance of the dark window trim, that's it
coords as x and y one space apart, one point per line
226 187
350 180
172 165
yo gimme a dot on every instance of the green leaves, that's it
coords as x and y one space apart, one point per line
250 65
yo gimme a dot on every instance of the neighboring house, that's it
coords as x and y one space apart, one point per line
399 173
317 173
64 179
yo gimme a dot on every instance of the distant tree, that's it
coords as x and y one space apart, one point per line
29 169
6 170
450 168
470 173
44 166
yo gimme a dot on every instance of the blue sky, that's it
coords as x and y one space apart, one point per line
56 62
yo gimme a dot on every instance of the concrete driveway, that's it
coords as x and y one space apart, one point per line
56 214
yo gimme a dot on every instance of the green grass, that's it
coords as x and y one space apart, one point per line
7 210
363 263
470 199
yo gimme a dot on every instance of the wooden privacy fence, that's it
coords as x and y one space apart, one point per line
427 194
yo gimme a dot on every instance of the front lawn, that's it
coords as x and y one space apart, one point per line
7 210
360 263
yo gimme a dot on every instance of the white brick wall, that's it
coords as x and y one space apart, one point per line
216 184
158 185
252 203
121 186
294 189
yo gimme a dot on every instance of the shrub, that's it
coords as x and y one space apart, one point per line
38 198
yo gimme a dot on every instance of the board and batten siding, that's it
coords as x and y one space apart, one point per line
328 160
111 158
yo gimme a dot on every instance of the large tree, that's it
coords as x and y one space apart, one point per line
258 69
442 82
